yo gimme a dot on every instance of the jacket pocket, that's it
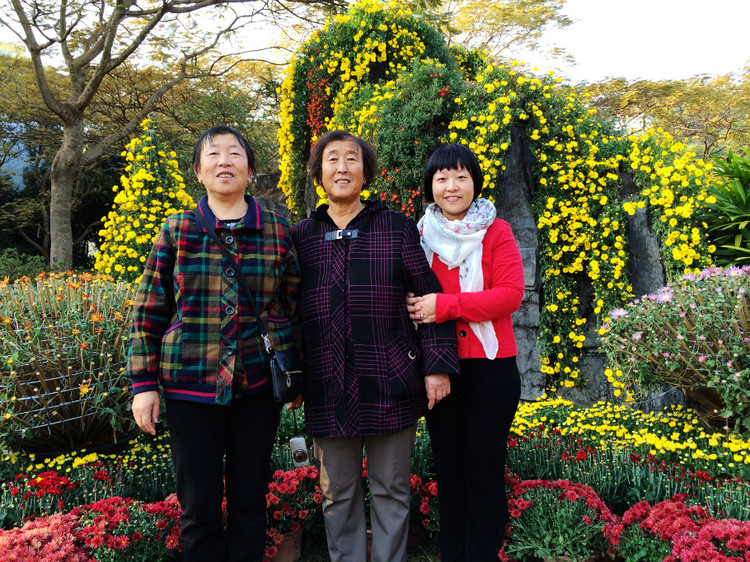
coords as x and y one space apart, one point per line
404 366
281 332
170 361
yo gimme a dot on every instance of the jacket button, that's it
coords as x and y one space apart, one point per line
230 351
462 333
230 272
229 239
229 310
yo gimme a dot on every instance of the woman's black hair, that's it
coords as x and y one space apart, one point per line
209 135
315 162
451 157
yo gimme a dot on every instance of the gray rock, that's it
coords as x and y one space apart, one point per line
646 270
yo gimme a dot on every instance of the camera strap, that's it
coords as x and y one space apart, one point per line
294 417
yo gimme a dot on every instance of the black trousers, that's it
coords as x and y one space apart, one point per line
201 435
469 435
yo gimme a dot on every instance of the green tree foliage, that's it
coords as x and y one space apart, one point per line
711 113
29 136
32 133
501 27
28 131
245 99
15 264
152 190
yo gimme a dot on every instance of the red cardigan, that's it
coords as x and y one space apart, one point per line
502 294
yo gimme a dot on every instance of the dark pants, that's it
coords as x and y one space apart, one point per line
200 436
469 434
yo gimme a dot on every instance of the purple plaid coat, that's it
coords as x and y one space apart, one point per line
364 360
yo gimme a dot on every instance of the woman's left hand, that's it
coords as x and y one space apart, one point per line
296 403
422 309
437 387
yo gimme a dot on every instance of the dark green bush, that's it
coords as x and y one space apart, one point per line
730 214
15 264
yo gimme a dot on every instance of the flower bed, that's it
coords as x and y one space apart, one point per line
673 530
603 481
63 383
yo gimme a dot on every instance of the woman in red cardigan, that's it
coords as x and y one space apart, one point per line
477 262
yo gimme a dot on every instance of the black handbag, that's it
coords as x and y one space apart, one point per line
285 366
286 373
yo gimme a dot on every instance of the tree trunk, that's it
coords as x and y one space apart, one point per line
62 177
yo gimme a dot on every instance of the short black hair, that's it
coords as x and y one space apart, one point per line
315 162
451 157
209 135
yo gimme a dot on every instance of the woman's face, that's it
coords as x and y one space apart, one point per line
342 171
223 167
453 191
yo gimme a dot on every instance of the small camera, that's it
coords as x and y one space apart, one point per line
300 456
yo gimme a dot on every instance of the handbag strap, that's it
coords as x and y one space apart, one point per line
262 326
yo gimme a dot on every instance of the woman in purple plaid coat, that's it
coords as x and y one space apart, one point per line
369 374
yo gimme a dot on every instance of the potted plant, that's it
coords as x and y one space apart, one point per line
293 501
557 520
119 528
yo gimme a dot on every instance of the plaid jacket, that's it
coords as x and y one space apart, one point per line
193 331
364 360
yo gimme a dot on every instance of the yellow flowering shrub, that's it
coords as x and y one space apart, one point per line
372 44
676 186
358 74
152 190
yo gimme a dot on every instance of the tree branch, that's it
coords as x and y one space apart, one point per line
35 52
87 231
126 130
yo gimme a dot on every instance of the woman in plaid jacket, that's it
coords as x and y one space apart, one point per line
194 335
366 366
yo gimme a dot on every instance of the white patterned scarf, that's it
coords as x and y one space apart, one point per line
459 244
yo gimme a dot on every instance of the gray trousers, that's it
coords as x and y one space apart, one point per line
341 481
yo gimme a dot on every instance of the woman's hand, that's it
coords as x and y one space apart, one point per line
422 309
146 410
438 387
296 403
